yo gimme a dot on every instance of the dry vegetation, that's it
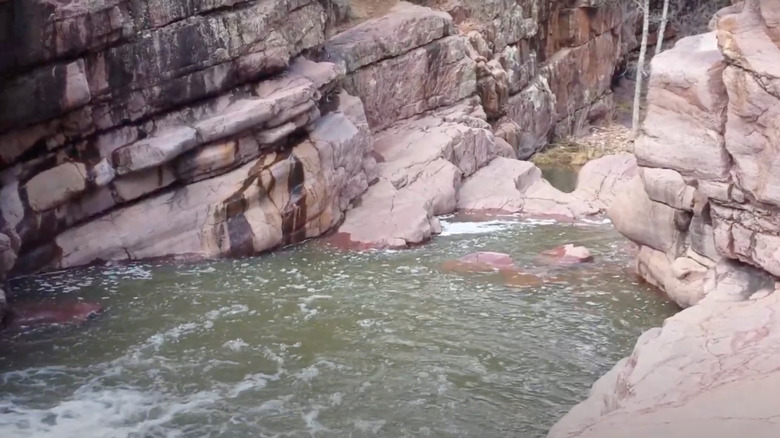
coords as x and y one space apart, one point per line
576 151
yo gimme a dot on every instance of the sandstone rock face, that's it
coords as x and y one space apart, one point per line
228 124
682 380
110 110
704 209
706 155
509 186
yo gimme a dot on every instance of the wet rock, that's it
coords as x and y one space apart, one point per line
26 315
483 261
513 278
568 254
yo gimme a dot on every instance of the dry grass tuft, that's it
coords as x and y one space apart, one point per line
575 152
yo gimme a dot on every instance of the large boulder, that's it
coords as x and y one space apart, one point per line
689 378
483 261
420 165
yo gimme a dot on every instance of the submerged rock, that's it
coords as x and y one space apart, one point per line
24 315
567 254
522 279
483 261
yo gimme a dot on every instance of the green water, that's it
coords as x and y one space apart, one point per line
313 341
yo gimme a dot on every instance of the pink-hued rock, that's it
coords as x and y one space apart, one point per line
483 261
689 378
601 180
276 199
513 278
25 315
705 211
420 164
511 186
568 254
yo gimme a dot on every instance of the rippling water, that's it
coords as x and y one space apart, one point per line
312 341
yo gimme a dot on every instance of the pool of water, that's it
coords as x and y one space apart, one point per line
314 341
563 178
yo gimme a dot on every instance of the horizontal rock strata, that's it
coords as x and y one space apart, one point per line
133 130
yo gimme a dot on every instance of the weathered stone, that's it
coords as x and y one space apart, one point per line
483 261
682 380
56 186
668 187
155 151
601 180
183 62
404 28
420 165
276 199
709 150
386 217
643 221
507 186
685 102
452 78
137 184
682 279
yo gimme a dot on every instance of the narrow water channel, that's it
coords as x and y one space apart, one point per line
313 341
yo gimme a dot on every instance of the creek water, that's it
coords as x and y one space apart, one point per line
315 341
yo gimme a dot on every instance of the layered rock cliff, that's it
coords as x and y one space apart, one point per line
133 129
705 210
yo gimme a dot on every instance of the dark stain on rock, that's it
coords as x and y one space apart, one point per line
294 213
434 59
36 228
241 236
38 259
378 157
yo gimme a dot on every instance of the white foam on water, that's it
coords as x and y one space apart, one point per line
253 382
372 426
309 299
235 344
106 413
310 418
491 226
308 373
601 221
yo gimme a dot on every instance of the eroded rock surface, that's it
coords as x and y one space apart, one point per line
226 125
704 209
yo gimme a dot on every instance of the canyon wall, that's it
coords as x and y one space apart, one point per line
141 129
705 210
